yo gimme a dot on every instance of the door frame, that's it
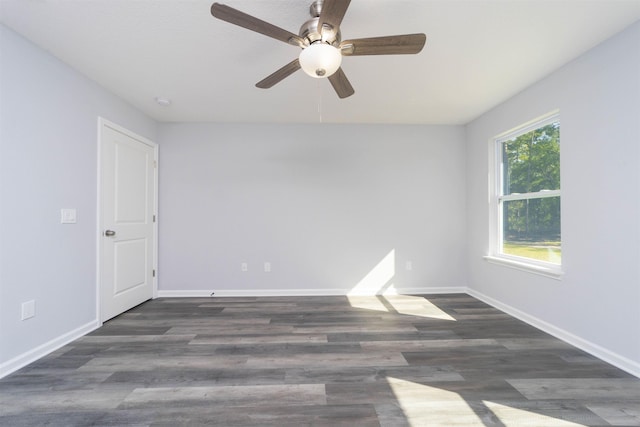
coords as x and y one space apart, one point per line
102 122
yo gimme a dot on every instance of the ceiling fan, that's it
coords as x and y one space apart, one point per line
320 40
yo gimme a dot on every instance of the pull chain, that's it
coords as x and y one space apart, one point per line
319 100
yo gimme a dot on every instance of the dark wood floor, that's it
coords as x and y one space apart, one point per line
440 360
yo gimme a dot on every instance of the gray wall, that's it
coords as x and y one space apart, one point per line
323 203
597 303
48 161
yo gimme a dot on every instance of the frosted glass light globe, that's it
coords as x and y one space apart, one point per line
320 60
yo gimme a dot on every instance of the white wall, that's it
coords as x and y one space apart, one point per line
323 203
597 303
48 161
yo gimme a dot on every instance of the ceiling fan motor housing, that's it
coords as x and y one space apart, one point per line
310 31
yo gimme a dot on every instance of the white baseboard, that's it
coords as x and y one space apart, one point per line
248 293
433 290
594 349
297 292
42 350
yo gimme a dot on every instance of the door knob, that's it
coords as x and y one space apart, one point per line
109 233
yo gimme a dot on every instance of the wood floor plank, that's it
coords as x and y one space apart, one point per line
329 359
228 396
618 413
594 389
185 377
369 374
257 339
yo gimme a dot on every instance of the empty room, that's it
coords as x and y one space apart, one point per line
320 213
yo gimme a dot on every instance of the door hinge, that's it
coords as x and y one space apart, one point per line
155 164
154 273
154 218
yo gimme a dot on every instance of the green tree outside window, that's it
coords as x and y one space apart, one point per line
530 194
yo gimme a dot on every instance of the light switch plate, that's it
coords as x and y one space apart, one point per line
68 216
28 309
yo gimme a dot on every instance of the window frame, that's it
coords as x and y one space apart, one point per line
497 198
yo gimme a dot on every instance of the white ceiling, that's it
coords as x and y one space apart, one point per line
478 53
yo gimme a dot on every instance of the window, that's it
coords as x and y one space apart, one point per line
526 203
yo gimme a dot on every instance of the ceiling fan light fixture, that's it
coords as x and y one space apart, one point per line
320 59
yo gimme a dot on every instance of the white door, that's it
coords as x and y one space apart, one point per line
127 217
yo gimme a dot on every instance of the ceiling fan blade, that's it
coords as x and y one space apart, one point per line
279 75
389 45
249 22
332 13
341 84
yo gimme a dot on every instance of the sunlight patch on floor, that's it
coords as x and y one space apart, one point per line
425 405
511 416
367 302
416 306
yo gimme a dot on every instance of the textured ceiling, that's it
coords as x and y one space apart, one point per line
478 53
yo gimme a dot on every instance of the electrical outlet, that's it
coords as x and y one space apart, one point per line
28 309
267 267
68 216
244 266
408 266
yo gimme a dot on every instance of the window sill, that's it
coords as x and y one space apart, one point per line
554 272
